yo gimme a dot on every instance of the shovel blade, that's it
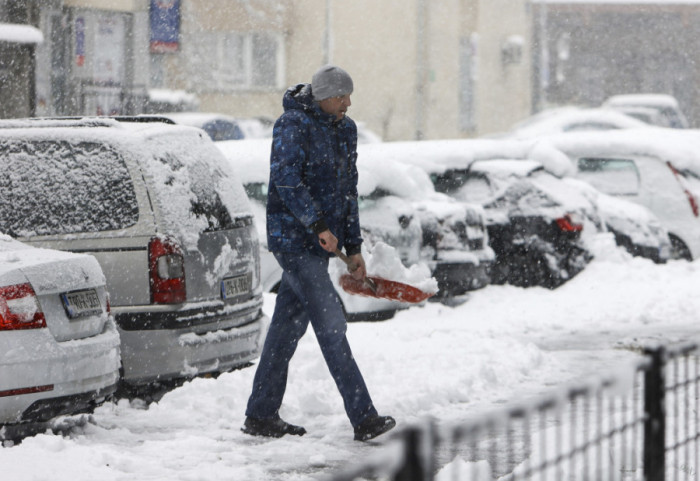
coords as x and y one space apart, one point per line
386 289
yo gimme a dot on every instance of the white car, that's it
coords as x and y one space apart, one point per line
572 119
455 241
658 109
449 164
383 218
657 168
59 346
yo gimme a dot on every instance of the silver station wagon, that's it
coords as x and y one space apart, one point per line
166 218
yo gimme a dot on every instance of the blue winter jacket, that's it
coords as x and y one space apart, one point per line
313 178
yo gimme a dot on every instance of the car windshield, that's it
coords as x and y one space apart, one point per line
451 181
611 176
257 191
219 130
365 202
59 187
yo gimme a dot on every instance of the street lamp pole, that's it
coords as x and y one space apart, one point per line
327 35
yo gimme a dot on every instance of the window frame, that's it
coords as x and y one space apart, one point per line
223 76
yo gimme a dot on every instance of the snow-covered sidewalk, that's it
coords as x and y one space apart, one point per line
503 344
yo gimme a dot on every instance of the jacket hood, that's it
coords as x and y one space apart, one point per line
299 97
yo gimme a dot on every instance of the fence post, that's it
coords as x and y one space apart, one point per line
655 416
412 469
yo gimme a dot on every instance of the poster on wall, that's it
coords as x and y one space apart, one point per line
108 71
80 41
109 50
165 25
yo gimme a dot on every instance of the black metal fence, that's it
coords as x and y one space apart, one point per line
643 424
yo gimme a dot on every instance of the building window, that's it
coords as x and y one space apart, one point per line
227 61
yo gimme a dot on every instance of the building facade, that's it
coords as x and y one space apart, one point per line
594 49
19 37
95 58
423 69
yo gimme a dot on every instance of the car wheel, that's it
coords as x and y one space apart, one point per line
539 264
527 266
679 250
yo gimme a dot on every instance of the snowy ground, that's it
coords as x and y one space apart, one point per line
503 344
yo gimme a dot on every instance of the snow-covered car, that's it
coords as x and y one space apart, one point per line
536 236
365 135
657 109
59 346
448 162
657 168
222 127
384 219
169 223
572 119
541 226
455 241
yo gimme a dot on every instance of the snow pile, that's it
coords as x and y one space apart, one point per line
384 262
451 363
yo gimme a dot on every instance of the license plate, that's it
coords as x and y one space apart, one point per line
235 286
81 303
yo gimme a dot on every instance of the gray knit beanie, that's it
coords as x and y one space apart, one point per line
330 81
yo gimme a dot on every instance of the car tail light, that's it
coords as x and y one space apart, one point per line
692 200
568 223
167 271
19 308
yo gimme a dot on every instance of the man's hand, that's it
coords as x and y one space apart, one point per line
360 271
328 241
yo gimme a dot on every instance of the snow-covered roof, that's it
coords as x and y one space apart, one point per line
679 146
196 119
176 157
20 33
435 156
570 119
438 156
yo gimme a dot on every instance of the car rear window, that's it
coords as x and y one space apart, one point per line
53 187
194 188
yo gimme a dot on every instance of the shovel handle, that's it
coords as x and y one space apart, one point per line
351 265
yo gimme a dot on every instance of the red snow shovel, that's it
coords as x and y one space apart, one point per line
377 287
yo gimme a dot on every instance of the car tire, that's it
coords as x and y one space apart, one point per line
679 251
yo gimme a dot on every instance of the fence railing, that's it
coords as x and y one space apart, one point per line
643 424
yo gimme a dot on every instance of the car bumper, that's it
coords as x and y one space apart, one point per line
150 355
457 278
37 385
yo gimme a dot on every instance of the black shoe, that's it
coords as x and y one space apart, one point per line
373 427
271 428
